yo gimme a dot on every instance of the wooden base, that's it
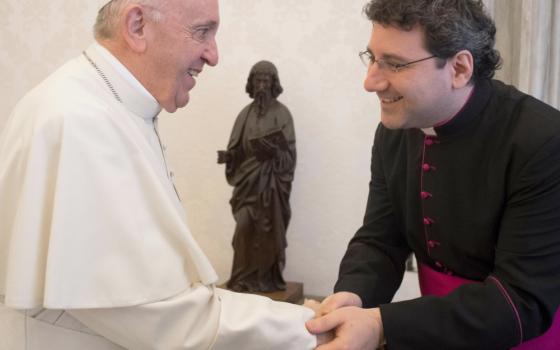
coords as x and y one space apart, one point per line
293 293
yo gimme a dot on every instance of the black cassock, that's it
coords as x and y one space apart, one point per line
479 200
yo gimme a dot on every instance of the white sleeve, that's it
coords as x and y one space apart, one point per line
203 318
253 322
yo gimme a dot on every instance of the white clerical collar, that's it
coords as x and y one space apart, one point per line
430 131
132 93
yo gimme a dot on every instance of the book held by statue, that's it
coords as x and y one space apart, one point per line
262 144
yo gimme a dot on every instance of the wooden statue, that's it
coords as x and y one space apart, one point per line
260 162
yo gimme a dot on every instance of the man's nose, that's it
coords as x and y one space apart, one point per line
210 54
375 79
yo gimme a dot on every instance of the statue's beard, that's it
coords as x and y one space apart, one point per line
262 101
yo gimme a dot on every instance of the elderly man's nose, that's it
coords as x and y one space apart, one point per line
210 54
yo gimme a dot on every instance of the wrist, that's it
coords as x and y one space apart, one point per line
353 299
376 313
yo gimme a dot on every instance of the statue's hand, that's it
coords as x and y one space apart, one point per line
224 157
269 148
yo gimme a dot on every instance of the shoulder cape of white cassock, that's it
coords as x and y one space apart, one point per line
88 216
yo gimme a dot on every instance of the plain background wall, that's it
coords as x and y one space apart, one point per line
314 44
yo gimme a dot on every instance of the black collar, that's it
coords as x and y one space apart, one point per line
469 113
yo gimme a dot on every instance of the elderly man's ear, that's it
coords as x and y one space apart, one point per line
133 28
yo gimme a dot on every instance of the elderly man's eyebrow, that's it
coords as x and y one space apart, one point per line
209 24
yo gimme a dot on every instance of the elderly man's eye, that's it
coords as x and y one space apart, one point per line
201 34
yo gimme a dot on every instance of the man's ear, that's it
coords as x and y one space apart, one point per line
463 68
134 28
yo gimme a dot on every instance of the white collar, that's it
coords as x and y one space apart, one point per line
429 131
133 94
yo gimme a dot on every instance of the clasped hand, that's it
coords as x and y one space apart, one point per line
342 323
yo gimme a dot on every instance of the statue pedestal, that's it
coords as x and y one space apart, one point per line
293 293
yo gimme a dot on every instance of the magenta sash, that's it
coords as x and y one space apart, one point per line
439 284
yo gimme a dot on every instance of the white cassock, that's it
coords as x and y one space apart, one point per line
91 229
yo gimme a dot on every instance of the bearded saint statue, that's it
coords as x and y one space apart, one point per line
260 162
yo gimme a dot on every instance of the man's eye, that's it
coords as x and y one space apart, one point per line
201 34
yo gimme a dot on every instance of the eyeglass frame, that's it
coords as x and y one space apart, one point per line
369 59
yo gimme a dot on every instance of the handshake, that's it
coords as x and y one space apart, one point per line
341 323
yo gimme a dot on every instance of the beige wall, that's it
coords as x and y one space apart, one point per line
314 43
35 38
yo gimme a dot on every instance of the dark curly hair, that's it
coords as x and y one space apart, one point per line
449 25
265 67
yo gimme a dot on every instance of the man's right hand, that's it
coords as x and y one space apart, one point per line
354 329
322 338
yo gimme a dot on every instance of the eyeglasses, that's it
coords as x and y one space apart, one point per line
368 59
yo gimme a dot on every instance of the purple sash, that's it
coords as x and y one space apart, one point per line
439 284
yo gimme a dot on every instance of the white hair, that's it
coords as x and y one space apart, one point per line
109 14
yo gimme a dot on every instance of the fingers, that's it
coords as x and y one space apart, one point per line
323 324
355 328
337 343
338 300
313 305
331 303
223 157
265 144
268 146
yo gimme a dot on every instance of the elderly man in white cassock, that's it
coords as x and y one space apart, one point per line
95 251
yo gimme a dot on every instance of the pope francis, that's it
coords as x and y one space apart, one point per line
95 252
